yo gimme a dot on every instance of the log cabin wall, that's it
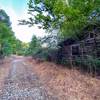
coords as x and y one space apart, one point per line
87 47
84 53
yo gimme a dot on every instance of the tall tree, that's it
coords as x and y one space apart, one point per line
68 17
34 46
4 17
6 34
7 39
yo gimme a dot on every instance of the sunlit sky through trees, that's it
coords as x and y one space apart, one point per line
17 10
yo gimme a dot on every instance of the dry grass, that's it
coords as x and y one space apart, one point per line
65 83
4 70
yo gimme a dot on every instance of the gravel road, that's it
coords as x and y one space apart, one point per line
23 84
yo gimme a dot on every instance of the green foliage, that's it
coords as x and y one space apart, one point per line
8 42
7 49
4 18
69 17
89 64
47 54
5 38
34 46
41 53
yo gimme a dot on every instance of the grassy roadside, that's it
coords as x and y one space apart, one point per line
4 71
65 83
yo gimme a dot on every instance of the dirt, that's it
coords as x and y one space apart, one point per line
22 78
66 84
23 84
4 70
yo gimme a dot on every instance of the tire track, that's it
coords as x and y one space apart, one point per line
22 84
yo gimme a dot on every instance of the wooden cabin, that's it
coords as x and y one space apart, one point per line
88 45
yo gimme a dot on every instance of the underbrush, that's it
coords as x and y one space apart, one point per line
88 64
46 54
66 83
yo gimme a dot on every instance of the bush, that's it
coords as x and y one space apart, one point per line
46 54
88 64
41 53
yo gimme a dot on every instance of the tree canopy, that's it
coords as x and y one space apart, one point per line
8 41
33 46
67 17
4 17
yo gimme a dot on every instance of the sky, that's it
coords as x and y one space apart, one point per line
17 10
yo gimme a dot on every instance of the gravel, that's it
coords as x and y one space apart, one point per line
22 84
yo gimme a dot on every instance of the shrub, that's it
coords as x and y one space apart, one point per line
46 54
89 64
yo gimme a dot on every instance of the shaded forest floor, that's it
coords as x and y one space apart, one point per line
67 84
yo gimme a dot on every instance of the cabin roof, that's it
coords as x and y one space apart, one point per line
89 28
84 34
67 42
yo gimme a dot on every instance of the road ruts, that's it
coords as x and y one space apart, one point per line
23 84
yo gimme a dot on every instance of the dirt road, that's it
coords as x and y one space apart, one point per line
23 78
22 84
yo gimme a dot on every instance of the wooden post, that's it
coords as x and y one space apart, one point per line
71 58
82 54
95 52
